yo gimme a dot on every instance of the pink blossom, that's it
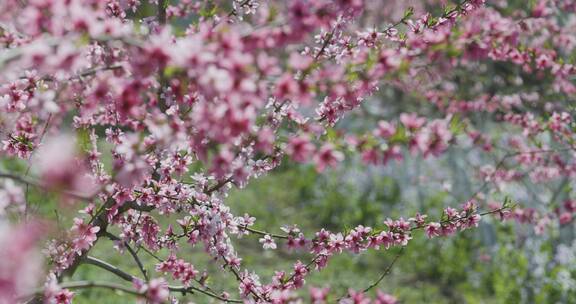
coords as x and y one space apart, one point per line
433 229
319 295
300 149
63 297
21 263
268 242
59 168
222 163
412 121
326 156
156 291
385 129
54 294
565 218
384 298
570 205
356 297
11 195
84 235
265 142
389 59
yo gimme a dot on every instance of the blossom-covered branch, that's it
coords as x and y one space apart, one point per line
142 116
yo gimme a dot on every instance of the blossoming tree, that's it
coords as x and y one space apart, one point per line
141 116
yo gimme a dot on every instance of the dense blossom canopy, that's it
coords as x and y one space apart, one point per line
141 116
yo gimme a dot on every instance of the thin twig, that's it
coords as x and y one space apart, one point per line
384 274
264 233
386 271
189 289
137 260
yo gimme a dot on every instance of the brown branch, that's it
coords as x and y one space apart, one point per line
307 265
239 278
218 186
130 278
162 11
137 260
86 73
263 233
182 289
109 267
132 252
101 221
191 289
91 284
384 274
386 271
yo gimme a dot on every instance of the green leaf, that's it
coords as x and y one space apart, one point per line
83 140
408 13
209 12
456 125
170 71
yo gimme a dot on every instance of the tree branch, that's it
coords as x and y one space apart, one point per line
132 252
162 11
386 271
109 267
263 233
190 289
94 284
130 278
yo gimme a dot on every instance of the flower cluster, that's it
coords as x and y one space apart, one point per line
179 269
